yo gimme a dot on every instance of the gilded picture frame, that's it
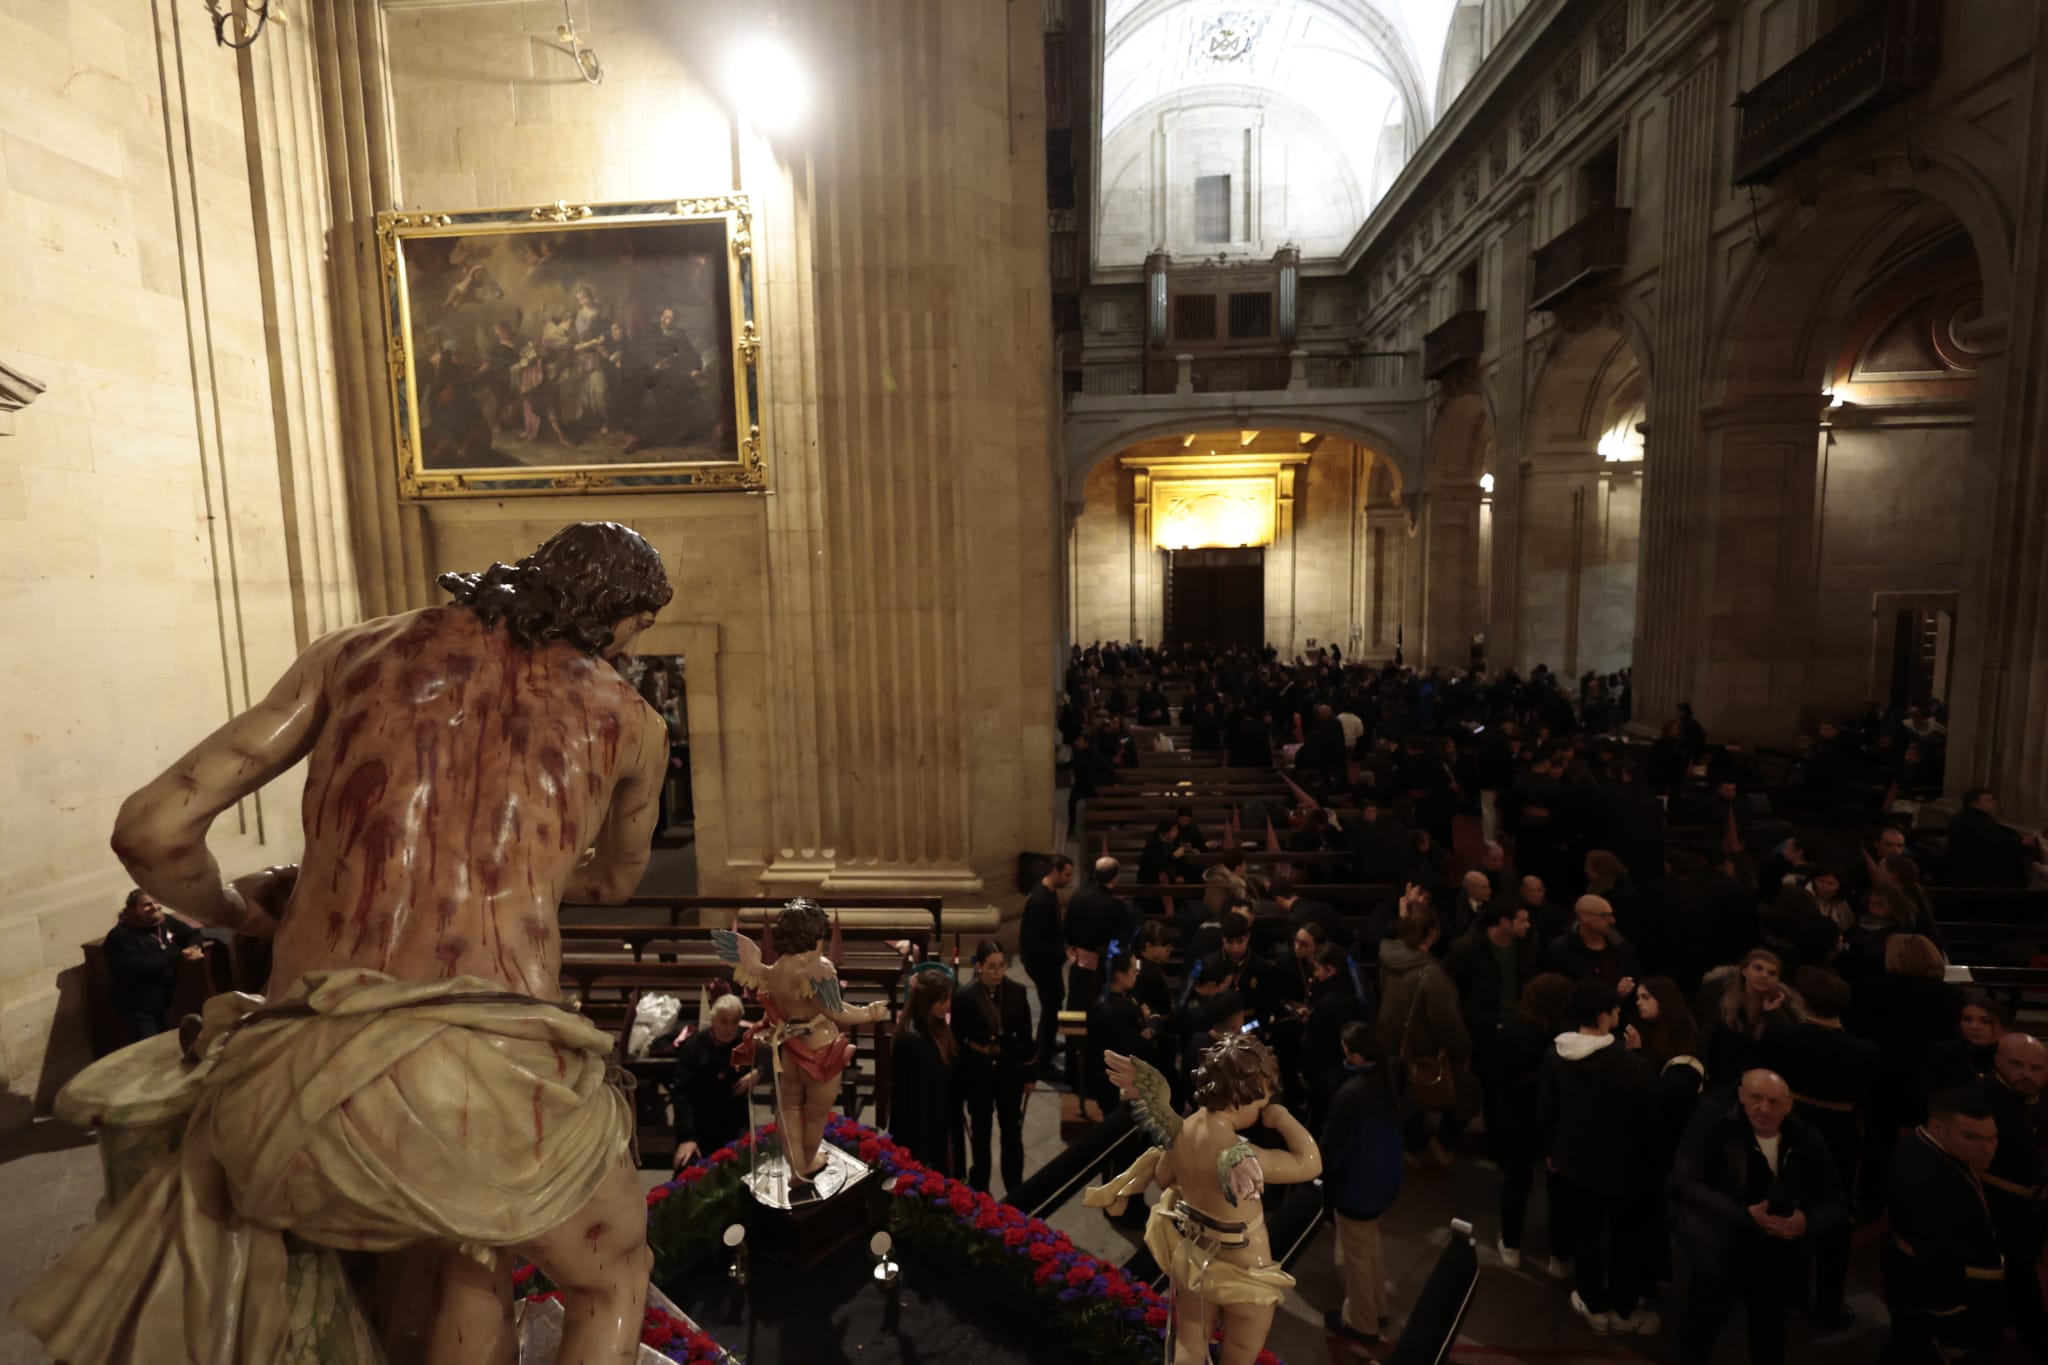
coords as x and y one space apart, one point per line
574 348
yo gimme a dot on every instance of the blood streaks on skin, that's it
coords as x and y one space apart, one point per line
539 1124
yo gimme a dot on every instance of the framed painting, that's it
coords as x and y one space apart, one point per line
573 348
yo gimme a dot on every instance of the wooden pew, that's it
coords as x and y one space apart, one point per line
582 942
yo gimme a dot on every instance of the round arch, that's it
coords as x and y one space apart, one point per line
1459 440
1091 439
1805 275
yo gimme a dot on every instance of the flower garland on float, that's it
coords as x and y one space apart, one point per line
1089 1303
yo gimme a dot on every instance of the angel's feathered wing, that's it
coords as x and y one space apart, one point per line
1150 1096
823 979
743 953
1240 1174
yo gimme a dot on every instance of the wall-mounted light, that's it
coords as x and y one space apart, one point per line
591 69
1623 443
768 82
1486 483
246 31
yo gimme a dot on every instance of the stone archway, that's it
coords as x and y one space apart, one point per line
1579 504
1453 514
1847 460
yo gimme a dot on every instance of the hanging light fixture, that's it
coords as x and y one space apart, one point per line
246 33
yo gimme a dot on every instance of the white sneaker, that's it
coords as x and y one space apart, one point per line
1509 1256
1642 1323
1599 1322
1559 1270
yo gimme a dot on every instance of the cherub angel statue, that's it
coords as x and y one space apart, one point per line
1208 1231
805 1013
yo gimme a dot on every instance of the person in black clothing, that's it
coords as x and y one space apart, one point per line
1332 1003
1490 964
142 951
1300 910
2013 1183
1970 1056
924 1106
1116 1023
1738 1003
1235 967
1094 917
992 1028
1796 928
1042 947
1513 1138
1944 1271
1163 860
1154 948
1547 919
1831 1072
1984 852
1091 772
1753 1189
1591 949
1908 1010
1592 1099
1379 844
1361 1147
710 1096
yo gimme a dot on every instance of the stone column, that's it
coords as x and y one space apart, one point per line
1677 496
293 219
1449 534
1507 318
347 44
933 376
1998 724
1756 608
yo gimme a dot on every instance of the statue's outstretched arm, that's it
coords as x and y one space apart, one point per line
160 834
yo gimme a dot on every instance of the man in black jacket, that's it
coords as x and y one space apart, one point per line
1831 1072
1095 916
142 952
2014 1181
1490 964
1984 852
1753 1189
711 1092
1042 947
1592 1116
1591 949
1944 1272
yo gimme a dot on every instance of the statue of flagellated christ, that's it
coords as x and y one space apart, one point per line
409 1083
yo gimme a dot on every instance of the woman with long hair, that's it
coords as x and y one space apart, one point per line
1670 1037
1909 1011
1752 992
924 1107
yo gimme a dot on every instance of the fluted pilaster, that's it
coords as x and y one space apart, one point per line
288 178
1678 509
932 385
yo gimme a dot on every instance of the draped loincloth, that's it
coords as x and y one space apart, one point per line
1186 1243
359 1112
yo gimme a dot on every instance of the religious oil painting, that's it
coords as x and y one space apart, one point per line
573 348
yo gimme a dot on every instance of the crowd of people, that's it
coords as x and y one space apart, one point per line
1724 1050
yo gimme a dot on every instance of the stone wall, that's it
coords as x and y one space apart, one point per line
151 550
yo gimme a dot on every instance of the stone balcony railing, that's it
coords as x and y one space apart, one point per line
1296 371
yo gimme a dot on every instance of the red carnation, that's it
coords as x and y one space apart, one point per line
1015 1237
1155 1317
1045 1273
961 1199
1079 1275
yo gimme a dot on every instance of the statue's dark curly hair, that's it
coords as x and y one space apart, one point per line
800 926
1237 1070
576 586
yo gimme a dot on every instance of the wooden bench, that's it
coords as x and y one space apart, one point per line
609 992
